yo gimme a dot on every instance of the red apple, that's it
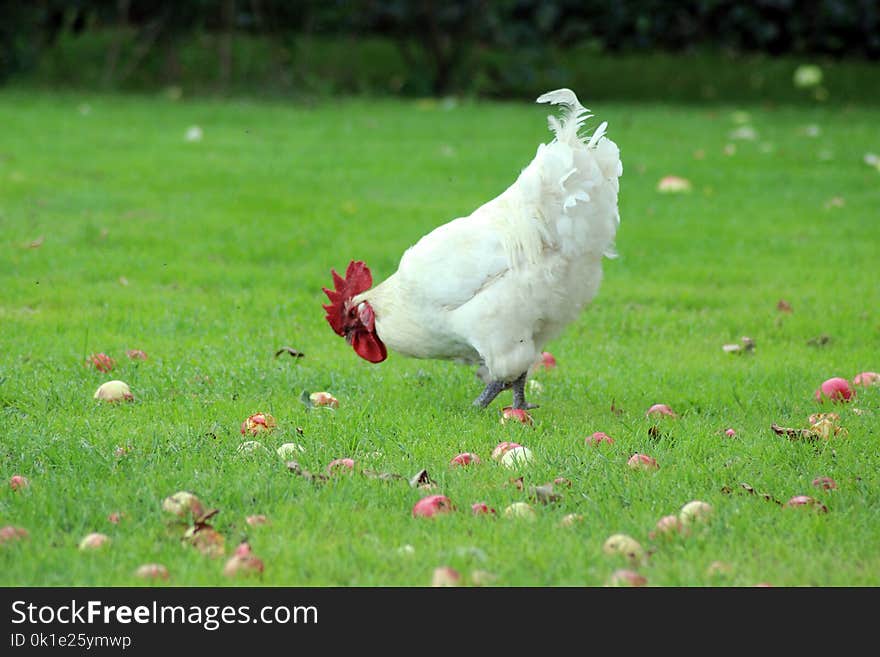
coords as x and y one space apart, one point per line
101 362
445 576
430 506
479 508
548 360
10 533
806 500
243 562
836 389
598 438
867 379
258 422
624 577
642 462
340 465
660 409
136 354
18 482
825 483
667 527
152 571
116 517
465 458
501 448
510 414
730 433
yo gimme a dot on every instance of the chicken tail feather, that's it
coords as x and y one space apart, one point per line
573 116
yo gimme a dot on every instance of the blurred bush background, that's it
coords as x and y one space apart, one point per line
689 50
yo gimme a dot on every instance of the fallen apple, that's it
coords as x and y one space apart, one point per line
445 576
257 520
730 433
336 466
183 504
136 354
9 533
151 571
836 389
101 362
18 482
252 447
667 527
289 451
695 511
206 540
116 517
501 448
510 414
598 438
520 510
114 391
624 577
243 564
432 505
257 423
516 457
465 458
323 399
673 185
867 379
660 409
825 483
642 462
548 360
806 500
719 568
94 541
479 508
482 578
571 519
624 545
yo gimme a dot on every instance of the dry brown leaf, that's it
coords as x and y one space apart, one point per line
295 353
544 494
421 480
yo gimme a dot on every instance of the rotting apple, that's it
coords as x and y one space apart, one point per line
257 423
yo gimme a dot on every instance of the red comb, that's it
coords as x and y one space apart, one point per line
357 279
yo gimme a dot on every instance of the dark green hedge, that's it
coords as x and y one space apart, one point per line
441 37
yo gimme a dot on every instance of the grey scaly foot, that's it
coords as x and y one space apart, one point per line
490 392
519 393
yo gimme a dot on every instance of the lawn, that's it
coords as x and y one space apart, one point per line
209 255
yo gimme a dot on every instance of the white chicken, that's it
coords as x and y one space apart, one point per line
494 287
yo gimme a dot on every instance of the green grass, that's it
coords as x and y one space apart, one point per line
226 243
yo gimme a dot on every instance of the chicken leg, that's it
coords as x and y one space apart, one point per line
493 388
